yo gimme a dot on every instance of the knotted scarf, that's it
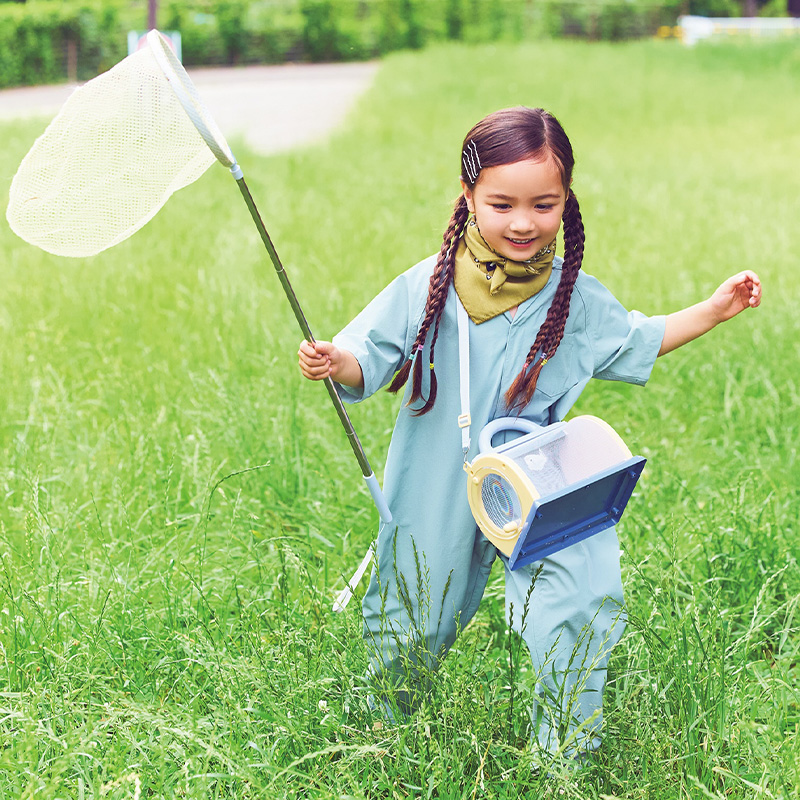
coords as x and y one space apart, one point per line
489 284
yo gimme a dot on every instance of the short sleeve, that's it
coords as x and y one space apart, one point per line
382 335
624 344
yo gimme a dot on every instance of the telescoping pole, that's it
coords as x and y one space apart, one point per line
352 437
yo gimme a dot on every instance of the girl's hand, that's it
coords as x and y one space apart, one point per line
735 295
320 360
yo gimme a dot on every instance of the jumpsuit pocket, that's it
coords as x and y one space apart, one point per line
557 375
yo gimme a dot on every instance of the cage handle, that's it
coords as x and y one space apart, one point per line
504 424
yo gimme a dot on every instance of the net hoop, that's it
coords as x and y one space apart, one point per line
189 98
120 146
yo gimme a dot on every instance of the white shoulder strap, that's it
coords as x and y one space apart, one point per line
464 420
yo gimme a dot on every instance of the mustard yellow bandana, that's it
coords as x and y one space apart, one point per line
489 284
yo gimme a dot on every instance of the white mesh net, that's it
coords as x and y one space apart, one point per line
111 158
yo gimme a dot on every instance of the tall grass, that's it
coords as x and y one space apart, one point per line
179 509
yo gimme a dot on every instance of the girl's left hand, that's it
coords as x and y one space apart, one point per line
735 295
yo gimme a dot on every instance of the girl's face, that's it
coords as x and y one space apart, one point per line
518 206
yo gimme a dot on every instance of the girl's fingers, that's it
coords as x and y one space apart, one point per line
755 289
307 349
309 355
317 350
323 348
315 374
751 284
315 367
314 359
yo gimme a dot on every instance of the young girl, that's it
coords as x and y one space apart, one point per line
539 329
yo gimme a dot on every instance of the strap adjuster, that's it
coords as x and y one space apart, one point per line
464 421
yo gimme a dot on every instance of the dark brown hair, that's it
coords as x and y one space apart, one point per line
504 137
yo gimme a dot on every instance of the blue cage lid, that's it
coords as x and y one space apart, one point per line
584 508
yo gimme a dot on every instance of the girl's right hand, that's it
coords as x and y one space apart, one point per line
320 360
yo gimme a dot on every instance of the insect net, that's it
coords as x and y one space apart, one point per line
118 148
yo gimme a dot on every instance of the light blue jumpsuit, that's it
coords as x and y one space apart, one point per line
441 557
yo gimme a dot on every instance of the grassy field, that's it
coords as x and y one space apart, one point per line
178 509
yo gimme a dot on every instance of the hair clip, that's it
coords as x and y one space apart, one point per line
471 161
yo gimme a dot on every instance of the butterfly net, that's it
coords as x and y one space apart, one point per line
116 151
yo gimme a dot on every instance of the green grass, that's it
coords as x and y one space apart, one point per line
179 508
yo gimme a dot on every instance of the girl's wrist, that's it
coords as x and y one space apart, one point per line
348 371
712 314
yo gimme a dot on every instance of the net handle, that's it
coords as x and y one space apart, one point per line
189 98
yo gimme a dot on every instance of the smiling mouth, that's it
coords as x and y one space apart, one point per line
519 241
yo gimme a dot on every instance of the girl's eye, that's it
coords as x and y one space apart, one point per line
543 207
501 206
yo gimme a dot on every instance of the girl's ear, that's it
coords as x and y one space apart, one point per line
468 197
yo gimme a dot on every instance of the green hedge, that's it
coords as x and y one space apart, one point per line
49 42
45 41
609 21
236 31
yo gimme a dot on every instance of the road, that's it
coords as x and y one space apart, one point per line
273 108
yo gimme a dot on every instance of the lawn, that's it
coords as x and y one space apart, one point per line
179 508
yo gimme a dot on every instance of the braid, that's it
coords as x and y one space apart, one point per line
505 137
438 287
550 334
439 302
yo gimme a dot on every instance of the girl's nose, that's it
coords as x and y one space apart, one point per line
522 222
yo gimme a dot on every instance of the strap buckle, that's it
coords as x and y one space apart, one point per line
464 421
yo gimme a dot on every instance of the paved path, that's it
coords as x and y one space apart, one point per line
273 108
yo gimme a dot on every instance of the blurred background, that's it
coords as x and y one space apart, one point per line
50 41
178 509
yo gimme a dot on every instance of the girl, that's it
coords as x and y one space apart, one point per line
539 329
